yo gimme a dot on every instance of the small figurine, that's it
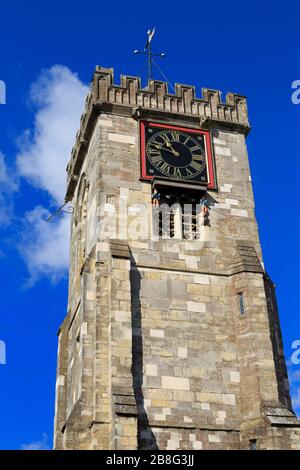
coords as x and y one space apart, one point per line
155 198
204 206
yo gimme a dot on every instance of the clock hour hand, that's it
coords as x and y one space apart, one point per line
176 154
160 147
168 143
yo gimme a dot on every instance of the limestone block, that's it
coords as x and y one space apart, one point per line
209 397
151 369
235 376
157 333
223 151
182 352
175 383
196 307
228 399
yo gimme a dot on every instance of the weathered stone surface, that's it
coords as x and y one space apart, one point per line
246 259
119 249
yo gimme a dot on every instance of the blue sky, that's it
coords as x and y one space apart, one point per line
48 54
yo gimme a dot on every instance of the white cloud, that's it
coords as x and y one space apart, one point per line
296 400
294 379
45 246
37 445
7 187
44 153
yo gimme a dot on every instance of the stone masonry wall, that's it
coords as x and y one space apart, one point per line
154 351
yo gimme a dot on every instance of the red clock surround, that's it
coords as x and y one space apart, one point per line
209 158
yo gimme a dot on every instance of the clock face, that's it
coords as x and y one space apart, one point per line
175 153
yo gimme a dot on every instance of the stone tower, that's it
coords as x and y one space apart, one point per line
171 338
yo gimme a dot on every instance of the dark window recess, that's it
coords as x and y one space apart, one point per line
190 222
166 224
241 303
178 213
253 444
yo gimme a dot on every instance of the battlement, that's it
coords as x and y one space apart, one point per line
152 102
156 96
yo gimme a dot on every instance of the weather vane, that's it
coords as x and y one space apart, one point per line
148 51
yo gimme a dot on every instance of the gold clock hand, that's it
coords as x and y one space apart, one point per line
171 150
174 152
168 144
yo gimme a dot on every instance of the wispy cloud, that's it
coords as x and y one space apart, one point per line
58 96
37 445
294 379
45 246
296 401
8 186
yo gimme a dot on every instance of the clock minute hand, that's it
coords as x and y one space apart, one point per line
168 144
171 150
176 154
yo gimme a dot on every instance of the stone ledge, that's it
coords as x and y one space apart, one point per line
278 415
75 419
119 249
125 405
182 425
245 260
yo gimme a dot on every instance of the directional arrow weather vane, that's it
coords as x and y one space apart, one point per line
148 51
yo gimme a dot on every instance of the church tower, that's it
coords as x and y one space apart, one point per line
171 338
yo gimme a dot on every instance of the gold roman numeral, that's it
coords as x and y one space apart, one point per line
155 141
165 167
177 172
175 136
195 147
154 151
198 157
156 159
189 172
164 138
196 165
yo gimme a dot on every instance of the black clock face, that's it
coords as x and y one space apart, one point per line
176 154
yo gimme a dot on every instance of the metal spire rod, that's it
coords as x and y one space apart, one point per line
148 51
59 210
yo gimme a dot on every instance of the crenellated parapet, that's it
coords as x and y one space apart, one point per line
156 97
153 102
